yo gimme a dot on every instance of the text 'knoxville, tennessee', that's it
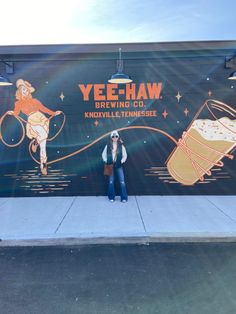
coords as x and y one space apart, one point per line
130 97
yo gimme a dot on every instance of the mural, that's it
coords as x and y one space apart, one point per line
205 143
180 139
37 124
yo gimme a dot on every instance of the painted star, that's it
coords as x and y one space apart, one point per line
209 93
178 96
62 96
165 114
186 111
96 123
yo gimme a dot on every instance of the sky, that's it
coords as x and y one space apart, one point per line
29 22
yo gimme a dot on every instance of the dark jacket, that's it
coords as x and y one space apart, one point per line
117 163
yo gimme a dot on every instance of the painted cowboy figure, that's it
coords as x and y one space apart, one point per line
37 127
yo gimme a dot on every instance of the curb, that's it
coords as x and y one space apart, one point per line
142 240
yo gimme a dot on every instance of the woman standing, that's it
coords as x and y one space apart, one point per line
115 153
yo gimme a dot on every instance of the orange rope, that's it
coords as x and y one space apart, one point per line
20 120
101 137
211 148
219 120
183 145
59 131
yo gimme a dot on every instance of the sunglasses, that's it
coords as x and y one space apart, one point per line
116 136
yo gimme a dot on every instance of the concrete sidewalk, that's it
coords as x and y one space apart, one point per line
144 219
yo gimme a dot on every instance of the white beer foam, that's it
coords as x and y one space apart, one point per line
223 129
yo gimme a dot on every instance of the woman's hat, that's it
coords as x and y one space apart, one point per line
114 133
21 82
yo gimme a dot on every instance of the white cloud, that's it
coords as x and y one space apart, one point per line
44 21
107 21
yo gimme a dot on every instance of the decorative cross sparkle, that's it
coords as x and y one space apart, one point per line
186 111
96 123
178 96
165 114
62 96
209 93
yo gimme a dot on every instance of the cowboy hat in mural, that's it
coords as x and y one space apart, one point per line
26 84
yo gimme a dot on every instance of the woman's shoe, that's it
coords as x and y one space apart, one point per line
44 170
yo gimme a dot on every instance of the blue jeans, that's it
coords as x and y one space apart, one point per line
111 187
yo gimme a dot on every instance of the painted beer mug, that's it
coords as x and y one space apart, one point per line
210 137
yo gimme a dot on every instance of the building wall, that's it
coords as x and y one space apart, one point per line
168 93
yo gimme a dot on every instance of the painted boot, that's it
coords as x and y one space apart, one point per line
44 170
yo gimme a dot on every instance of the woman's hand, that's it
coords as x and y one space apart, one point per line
10 112
58 112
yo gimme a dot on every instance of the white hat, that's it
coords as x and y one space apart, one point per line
114 133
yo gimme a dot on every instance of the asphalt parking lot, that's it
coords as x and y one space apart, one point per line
157 278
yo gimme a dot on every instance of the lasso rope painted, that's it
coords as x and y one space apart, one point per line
182 143
101 137
21 121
